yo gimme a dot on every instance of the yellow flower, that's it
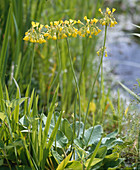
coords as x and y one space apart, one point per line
96 33
109 12
54 37
35 24
103 23
85 17
98 53
113 10
112 24
71 21
105 54
79 32
90 36
51 23
60 29
56 23
107 9
46 34
67 22
94 20
79 22
26 33
99 30
99 10
61 21
88 32
46 26
26 38
115 22
83 35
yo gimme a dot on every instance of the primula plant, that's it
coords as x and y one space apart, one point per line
39 140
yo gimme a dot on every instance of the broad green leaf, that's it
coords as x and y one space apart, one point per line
57 157
101 152
113 134
80 152
66 129
61 140
64 162
93 134
74 165
130 91
48 122
2 116
94 162
94 154
111 157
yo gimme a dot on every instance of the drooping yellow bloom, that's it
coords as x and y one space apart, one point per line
99 10
54 37
56 23
112 24
35 24
113 10
94 20
26 38
85 17
105 53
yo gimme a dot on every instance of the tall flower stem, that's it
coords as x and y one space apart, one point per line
91 94
57 76
32 65
76 82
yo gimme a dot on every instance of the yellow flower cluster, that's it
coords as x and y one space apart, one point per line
100 51
35 34
61 29
108 17
68 28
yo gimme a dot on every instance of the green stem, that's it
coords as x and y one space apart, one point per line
32 65
76 82
57 76
91 94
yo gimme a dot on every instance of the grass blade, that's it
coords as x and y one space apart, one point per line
130 91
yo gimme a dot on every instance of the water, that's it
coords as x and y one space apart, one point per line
124 54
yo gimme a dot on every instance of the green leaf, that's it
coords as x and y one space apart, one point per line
15 102
57 157
2 116
94 154
113 134
94 162
129 91
3 55
64 162
101 152
74 165
111 157
93 134
61 140
48 122
54 132
1 162
66 129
